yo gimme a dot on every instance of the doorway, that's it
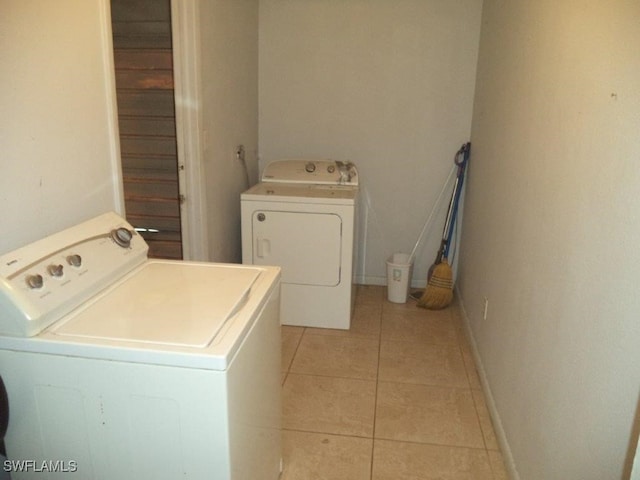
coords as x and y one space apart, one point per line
143 59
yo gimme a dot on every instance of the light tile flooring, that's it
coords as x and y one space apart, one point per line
396 397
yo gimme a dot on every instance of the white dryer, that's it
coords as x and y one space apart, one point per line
302 218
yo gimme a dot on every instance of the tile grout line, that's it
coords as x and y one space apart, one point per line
343 435
333 376
288 370
432 444
393 440
375 402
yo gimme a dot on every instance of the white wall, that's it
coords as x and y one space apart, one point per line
551 232
385 84
229 80
59 159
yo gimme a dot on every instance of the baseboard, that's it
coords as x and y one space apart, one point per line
507 456
382 281
370 280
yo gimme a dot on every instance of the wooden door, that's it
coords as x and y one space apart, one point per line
146 116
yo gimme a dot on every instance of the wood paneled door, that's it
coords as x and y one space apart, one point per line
146 116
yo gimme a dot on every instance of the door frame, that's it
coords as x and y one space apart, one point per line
185 31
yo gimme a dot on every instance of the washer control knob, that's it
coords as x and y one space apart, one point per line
331 168
310 167
35 281
55 270
74 260
122 237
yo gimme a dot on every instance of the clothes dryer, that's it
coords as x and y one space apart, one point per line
302 218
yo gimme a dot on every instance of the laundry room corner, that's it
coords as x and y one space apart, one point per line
228 63
388 87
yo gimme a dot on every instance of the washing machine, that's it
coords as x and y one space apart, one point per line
118 366
302 218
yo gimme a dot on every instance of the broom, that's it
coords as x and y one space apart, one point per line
439 290
417 294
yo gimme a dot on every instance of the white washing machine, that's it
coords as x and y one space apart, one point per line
302 218
117 366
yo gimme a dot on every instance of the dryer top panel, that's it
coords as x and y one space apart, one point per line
293 192
311 171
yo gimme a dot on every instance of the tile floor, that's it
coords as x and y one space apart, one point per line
396 397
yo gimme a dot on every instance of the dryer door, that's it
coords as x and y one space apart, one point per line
306 245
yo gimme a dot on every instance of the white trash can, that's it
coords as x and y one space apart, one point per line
398 277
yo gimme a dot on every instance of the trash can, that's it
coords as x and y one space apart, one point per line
398 277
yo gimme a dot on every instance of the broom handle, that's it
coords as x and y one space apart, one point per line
445 230
447 222
433 210
465 151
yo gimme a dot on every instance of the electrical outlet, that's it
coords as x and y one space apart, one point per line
240 152
486 308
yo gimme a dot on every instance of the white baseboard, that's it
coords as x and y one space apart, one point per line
507 456
370 280
382 281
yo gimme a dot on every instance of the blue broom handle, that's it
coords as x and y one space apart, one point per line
465 150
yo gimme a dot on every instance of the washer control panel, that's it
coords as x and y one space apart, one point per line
41 282
311 171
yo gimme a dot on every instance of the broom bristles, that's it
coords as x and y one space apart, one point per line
439 291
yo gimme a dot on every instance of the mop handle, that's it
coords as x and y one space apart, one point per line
433 211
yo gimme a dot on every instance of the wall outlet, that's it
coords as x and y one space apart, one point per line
486 308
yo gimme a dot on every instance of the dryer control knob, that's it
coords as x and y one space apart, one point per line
261 217
310 167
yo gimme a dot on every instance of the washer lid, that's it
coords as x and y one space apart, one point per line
165 303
